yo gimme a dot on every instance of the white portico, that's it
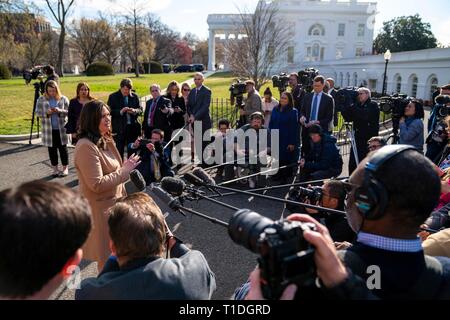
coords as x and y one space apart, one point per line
321 30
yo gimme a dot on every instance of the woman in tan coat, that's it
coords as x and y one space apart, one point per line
101 174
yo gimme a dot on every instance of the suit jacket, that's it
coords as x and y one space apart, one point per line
186 276
298 94
198 106
42 107
326 110
161 120
177 118
365 118
101 183
333 93
116 102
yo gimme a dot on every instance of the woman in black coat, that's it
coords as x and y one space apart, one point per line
75 106
177 120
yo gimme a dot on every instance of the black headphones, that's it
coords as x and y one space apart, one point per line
372 198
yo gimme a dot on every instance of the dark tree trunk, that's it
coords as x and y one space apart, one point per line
59 67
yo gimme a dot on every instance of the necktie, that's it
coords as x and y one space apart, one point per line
126 105
152 114
156 169
314 109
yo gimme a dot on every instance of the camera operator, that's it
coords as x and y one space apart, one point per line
411 126
333 197
154 161
387 212
251 151
323 159
437 137
297 91
147 262
51 74
365 116
253 103
317 108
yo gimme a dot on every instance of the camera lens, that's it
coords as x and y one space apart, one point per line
245 227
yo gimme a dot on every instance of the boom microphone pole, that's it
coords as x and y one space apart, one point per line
175 136
257 174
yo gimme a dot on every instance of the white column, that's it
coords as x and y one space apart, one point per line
212 50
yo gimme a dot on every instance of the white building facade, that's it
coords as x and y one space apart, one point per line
337 38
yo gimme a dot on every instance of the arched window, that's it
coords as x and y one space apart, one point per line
413 82
432 84
341 79
355 79
348 79
316 30
398 83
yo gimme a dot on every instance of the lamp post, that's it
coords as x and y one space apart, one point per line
387 57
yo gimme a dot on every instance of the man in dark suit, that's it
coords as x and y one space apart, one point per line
199 101
297 91
138 268
317 108
125 110
157 114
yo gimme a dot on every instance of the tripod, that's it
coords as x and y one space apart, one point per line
37 92
239 104
349 134
395 131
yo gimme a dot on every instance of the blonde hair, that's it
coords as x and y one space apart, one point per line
52 84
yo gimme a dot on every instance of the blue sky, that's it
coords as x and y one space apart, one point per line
191 15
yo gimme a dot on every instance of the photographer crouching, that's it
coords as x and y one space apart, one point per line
147 262
331 195
154 159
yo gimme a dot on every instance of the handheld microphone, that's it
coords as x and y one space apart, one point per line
136 184
173 186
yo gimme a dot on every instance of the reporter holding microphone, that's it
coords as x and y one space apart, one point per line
101 174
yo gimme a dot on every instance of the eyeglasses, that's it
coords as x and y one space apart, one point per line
186 90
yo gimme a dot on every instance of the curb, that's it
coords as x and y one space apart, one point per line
14 138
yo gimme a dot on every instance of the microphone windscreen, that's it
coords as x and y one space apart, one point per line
204 176
196 181
163 199
173 186
138 180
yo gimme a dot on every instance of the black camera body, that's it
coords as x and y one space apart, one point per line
281 81
346 97
306 78
35 73
285 257
238 89
441 106
313 194
394 105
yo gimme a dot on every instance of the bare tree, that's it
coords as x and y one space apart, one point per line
37 48
60 11
91 38
266 40
164 38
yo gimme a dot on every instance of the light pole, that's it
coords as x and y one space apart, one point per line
387 57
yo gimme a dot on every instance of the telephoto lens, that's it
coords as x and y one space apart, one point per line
285 257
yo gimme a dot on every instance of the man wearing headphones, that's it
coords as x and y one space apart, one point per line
391 193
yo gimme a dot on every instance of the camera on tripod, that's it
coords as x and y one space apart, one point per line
441 106
285 257
35 73
395 105
346 97
306 78
238 89
281 81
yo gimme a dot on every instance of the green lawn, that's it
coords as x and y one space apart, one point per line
16 98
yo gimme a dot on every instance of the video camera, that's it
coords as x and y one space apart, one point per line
346 97
35 73
285 256
441 106
238 89
281 81
306 78
394 105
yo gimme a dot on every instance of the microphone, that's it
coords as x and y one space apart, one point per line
204 176
173 186
196 181
136 184
166 202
